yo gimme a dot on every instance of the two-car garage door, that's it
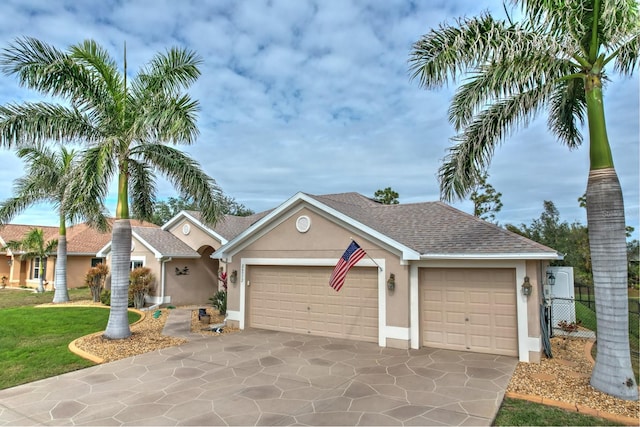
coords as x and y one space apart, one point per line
298 299
469 309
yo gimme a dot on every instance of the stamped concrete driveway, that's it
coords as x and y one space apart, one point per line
257 377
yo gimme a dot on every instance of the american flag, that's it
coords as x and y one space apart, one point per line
351 256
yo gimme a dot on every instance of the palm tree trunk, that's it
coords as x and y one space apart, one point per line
612 373
42 272
61 294
118 324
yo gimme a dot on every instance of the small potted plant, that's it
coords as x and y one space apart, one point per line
3 281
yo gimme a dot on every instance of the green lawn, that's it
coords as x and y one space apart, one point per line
34 341
514 412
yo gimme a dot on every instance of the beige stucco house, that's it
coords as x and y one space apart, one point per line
457 280
83 244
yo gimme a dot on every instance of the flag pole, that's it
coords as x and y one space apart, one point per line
373 260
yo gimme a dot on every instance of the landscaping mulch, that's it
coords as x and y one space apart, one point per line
565 378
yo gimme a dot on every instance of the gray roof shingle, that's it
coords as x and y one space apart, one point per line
165 242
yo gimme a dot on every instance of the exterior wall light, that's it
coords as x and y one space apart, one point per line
233 278
391 283
526 287
551 279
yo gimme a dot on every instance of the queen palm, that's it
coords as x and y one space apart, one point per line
34 246
553 61
49 174
125 126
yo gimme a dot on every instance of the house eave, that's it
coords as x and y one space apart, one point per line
501 256
182 214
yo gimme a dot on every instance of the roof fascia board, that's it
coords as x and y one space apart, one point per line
534 255
102 253
146 244
299 198
197 223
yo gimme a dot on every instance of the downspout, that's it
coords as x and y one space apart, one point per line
162 278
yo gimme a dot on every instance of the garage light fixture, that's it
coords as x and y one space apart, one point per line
391 283
526 287
234 276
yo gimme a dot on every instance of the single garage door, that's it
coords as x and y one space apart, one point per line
469 309
300 300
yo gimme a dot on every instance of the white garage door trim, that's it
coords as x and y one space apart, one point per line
525 344
383 333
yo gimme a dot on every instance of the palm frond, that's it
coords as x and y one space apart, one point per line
468 159
89 184
186 175
40 122
448 52
499 80
170 72
53 72
567 110
628 56
169 119
142 189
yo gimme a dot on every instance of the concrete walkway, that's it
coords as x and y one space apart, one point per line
258 377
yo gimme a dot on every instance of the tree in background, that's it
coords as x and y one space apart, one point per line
386 196
127 125
163 211
486 200
571 240
554 61
34 246
48 176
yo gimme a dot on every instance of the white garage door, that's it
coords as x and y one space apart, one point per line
300 300
469 309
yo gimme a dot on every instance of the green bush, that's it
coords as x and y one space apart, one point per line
219 301
105 297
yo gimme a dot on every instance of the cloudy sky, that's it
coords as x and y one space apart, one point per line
315 96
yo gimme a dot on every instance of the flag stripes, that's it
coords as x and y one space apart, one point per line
351 256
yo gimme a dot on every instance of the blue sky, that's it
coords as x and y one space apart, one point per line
315 96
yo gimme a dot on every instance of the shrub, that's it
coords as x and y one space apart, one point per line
141 282
105 297
219 301
95 278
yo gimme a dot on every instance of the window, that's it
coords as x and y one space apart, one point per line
136 264
96 261
37 267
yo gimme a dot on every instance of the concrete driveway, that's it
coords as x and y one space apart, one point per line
257 377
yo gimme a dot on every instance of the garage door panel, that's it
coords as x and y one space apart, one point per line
469 309
304 302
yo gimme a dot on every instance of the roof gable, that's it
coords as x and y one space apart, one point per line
417 230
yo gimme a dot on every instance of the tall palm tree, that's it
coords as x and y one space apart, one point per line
125 127
553 61
33 245
49 174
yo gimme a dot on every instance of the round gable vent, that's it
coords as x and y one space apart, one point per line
303 223
186 229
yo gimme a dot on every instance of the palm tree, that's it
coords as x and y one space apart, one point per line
125 127
49 174
553 61
33 245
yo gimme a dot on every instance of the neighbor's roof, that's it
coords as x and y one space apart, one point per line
81 239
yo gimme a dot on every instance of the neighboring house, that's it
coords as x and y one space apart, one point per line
458 279
83 244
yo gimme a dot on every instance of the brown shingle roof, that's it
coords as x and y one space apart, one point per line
81 239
